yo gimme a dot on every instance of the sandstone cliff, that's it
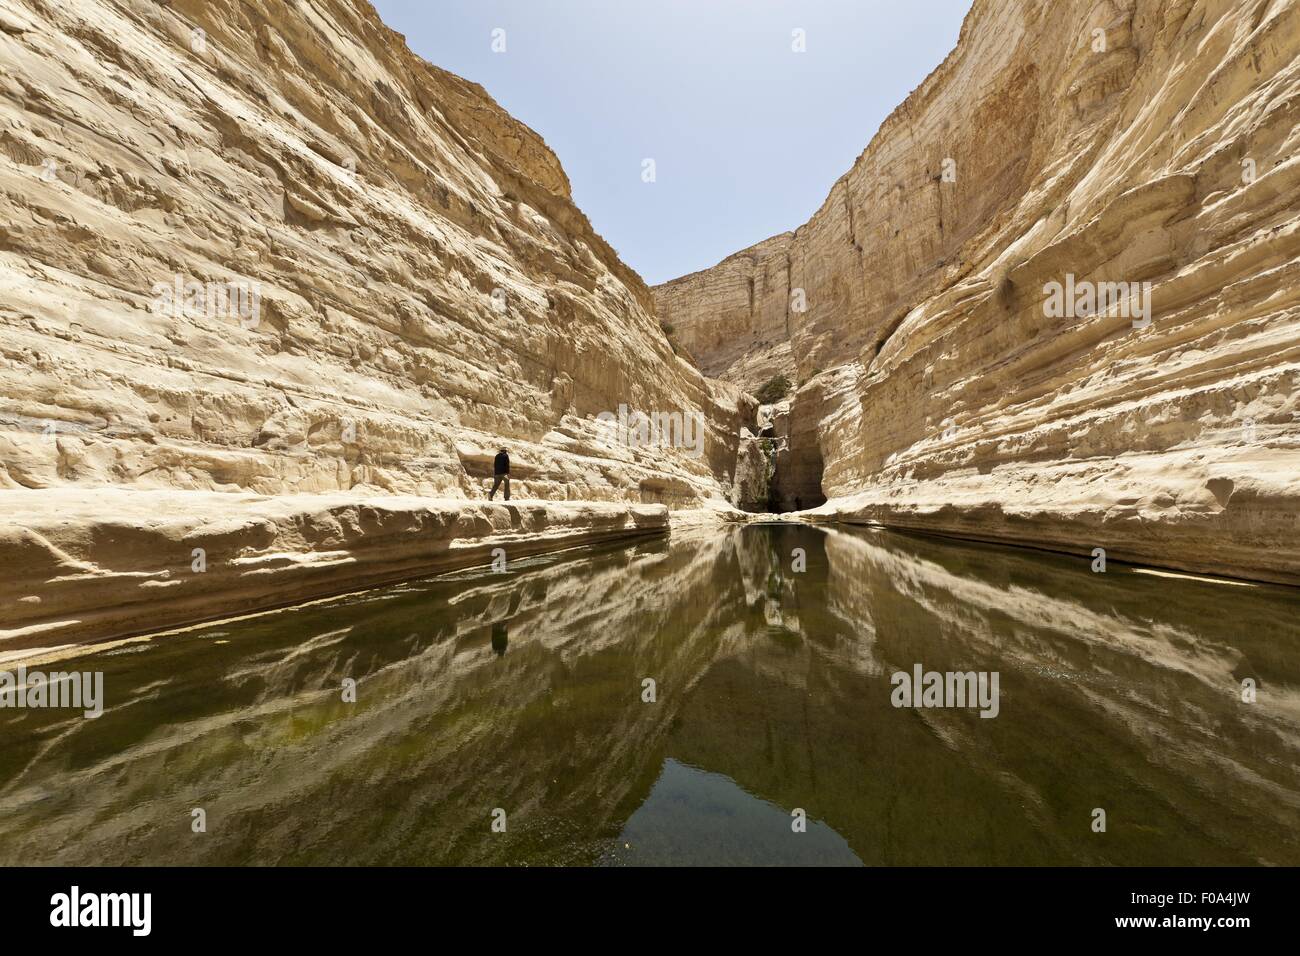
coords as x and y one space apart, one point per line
1088 141
417 286
275 290
734 319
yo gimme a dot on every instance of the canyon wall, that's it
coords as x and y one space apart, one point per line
734 319
1071 142
261 247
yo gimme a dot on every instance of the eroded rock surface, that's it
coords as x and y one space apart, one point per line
114 562
735 319
1116 141
417 286
252 253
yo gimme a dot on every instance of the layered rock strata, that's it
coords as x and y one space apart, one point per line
255 251
265 248
164 560
1072 145
735 319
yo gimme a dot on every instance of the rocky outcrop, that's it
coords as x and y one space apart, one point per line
117 562
778 469
797 468
1070 145
735 319
252 253
264 248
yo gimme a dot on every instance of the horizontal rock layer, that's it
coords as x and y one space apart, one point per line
413 285
1116 141
735 319
167 559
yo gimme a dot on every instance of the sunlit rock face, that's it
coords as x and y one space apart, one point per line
263 247
110 562
1074 143
735 319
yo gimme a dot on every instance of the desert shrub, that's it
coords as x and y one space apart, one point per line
774 389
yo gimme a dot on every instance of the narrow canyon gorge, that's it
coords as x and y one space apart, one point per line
274 291
1120 141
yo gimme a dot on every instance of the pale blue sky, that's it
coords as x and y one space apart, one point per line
748 136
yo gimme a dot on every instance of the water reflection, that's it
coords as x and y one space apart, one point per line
691 815
524 691
500 637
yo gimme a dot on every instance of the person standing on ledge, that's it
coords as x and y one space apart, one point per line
501 473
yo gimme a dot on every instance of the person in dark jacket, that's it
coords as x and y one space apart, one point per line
501 473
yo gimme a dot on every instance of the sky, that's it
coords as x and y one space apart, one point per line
747 135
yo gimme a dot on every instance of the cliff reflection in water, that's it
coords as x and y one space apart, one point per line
523 691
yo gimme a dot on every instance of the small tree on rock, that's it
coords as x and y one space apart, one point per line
774 389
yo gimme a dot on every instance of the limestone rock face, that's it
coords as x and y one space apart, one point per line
109 562
262 247
735 319
1069 145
